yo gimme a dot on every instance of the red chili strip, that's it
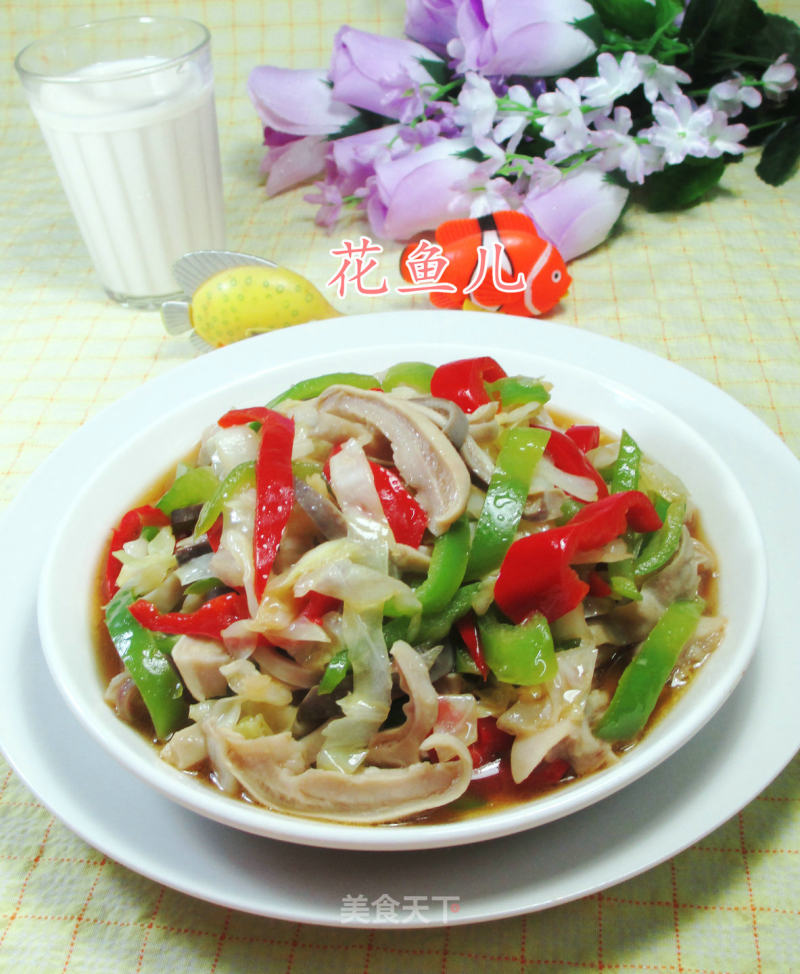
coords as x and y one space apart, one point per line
536 574
468 630
463 381
567 456
208 621
274 493
238 417
407 519
129 529
584 437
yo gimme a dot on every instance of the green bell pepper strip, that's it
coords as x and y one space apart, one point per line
310 388
521 654
643 679
625 476
429 629
517 390
663 544
243 475
146 657
520 452
417 375
337 669
626 466
196 486
447 568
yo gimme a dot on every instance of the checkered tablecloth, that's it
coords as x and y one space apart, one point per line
715 289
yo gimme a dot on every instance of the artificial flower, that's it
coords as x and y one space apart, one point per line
565 109
578 212
432 22
297 101
379 74
538 38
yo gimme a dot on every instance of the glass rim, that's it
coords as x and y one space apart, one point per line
24 72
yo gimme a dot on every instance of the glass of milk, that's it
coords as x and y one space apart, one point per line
127 109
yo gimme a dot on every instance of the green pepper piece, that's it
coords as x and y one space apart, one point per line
195 486
306 468
337 669
447 568
522 654
243 475
517 390
625 476
417 375
643 679
310 388
521 450
662 544
146 657
429 629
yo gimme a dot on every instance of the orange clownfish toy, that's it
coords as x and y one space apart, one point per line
496 262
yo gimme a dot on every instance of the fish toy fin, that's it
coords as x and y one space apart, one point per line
200 345
515 220
454 230
193 270
176 317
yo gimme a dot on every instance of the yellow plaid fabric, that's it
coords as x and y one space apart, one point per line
715 289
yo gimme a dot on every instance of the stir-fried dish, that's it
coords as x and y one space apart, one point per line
381 595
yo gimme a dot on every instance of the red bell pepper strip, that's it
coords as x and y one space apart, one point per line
129 529
315 605
468 630
274 493
536 574
584 437
567 456
491 743
206 622
463 381
238 417
407 519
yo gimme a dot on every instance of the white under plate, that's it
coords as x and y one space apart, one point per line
673 806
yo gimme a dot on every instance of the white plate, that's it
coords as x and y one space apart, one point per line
120 478
736 755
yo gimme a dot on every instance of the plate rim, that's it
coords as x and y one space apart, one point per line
763 439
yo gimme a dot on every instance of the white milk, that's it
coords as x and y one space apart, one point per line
139 160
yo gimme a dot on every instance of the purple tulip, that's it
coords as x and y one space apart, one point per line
432 22
376 73
293 163
296 101
536 38
353 158
578 212
419 190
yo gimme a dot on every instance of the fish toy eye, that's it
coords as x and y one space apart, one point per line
556 277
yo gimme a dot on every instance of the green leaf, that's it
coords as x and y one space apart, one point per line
363 122
592 26
781 154
719 32
678 187
779 35
438 70
634 17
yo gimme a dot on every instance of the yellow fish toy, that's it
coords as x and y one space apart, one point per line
231 296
